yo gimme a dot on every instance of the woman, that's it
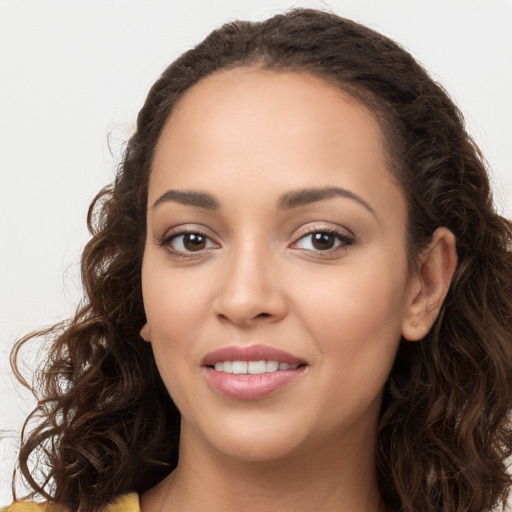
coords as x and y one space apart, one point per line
298 293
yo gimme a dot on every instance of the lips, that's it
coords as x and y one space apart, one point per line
251 353
250 373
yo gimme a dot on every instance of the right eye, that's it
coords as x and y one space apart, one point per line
188 242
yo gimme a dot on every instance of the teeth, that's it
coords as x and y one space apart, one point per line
239 367
272 366
256 367
252 367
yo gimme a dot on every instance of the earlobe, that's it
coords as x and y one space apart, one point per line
145 333
435 268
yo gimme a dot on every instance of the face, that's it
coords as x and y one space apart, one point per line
276 243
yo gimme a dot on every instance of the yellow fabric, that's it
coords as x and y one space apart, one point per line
126 503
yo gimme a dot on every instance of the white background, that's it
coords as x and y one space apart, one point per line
73 75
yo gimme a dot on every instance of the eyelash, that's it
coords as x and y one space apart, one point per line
344 241
167 241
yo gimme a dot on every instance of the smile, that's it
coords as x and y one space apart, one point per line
261 358
252 367
251 372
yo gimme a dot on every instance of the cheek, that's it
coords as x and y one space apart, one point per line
359 325
355 300
172 311
171 305
173 300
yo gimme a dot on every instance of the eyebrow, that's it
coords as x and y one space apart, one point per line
287 201
306 196
189 198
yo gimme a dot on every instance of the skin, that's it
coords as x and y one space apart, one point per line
247 137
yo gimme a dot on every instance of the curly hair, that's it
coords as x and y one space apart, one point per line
105 423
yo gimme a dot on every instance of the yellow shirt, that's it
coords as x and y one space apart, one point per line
126 503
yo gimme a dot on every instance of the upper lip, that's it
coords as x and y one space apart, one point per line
250 353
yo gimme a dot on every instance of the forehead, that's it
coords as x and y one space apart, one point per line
281 128
223 102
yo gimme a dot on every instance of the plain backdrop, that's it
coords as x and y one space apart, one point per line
73 75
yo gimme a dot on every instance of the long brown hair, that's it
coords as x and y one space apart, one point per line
105 424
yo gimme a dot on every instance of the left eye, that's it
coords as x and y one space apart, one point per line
322 241
190 242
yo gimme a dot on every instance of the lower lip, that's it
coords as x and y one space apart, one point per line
251 387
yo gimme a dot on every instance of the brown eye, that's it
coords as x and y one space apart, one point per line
189 242
323 241
194 242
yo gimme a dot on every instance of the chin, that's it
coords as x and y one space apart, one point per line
264 450
255 441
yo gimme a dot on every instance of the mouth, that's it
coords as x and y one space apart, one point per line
252 367
251 373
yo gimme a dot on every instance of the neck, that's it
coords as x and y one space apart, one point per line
336 476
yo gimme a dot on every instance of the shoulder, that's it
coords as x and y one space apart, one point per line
27 506
126 503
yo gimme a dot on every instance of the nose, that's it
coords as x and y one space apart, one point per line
250 291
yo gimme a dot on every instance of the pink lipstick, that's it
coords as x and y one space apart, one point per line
250 373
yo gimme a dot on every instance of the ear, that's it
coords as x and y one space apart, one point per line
429 284
145 333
